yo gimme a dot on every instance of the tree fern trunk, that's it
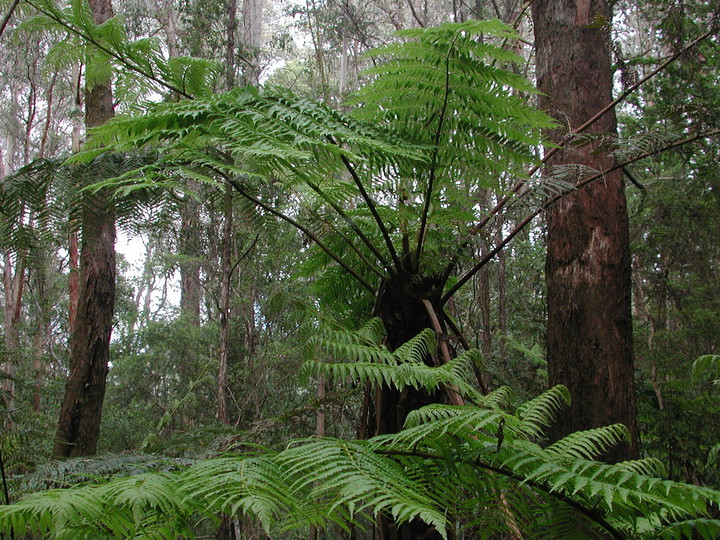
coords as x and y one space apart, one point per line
400 307
588 257
81 411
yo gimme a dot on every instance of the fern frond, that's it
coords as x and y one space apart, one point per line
256 486
592 443
351 475
706 365
538 413
692 528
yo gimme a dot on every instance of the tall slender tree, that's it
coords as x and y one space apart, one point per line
589 329
79 424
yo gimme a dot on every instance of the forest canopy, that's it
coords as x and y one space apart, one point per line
404 271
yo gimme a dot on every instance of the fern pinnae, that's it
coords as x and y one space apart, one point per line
590 444
539 412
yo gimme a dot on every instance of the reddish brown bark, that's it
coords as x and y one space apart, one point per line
588 260
73 277
14 284
81 411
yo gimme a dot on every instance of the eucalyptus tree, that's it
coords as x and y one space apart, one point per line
79 423
674 219
588 258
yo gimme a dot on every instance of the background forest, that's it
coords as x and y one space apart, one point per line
256 285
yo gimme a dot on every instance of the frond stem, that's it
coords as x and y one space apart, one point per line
373 209
476 268
350 243
594 515
452 391
464 342
433 161
354 226
238 187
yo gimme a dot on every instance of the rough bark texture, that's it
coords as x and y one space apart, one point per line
14 284
588 261
81 411
400 306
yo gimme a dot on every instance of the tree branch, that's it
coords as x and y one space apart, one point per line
452 391
9 15
566 140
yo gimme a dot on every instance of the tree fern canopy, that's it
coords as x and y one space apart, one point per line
383 193
447 87
438 122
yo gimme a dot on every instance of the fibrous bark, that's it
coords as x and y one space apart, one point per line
588 257
400 305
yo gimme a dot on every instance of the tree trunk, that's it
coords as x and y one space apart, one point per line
73 241
190 290
81 411
226 274
400 306
252 34
588 257
14 284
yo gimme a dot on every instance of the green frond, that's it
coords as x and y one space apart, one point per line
449 466
706 365
537 414
255 486
431 423
402 368
713 458
646 466
692 528
443 80
351 475
500 398
592 443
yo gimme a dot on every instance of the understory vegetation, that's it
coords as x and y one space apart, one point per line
332 319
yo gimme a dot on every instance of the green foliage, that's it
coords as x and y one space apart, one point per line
391 184
442 87
707 365
476 469
447 467
106 49
369 361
